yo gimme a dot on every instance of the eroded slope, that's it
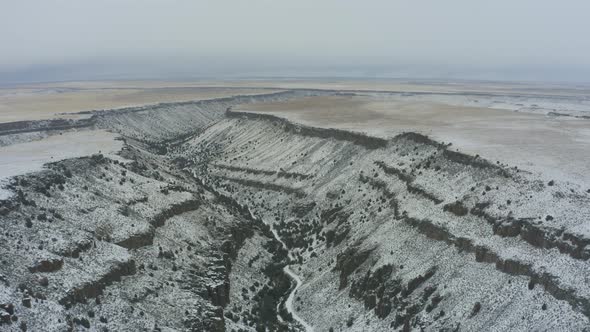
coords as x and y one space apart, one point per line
406 233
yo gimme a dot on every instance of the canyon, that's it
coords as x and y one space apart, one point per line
221 215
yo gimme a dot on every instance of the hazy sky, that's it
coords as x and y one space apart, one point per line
59 39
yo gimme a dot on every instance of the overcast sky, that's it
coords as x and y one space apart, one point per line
499 39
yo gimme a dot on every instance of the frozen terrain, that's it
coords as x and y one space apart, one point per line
66 100
550 145
298 210
21 158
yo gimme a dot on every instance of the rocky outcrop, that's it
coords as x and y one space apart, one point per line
457 208
254 171
301 210
337 134
335 214
139 239
265 185
390 170
348 261
174 210
47 265
417 190
95 287
513 267
20 127
371 288
531 231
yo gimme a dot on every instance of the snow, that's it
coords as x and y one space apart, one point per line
298 283
253 150
22 158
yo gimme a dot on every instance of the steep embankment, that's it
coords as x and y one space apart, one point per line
405 233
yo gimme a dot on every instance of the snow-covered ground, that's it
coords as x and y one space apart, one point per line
29 157
382 234
551 146
398 214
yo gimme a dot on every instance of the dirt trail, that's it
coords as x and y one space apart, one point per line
298 281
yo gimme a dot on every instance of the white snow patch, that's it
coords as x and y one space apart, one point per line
22 158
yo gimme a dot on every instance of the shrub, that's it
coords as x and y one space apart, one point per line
125 210
476 309
531 284
104 232
350 322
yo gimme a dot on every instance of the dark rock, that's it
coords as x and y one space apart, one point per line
8 307
350 322
218 293
94 289
138 240
483 254
531 284
348 261
416 282
4 318
336 237
376 290
26 301
507 228
370 301
47 265
476 309
456 208
84 322
301 210
384 307
335 214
